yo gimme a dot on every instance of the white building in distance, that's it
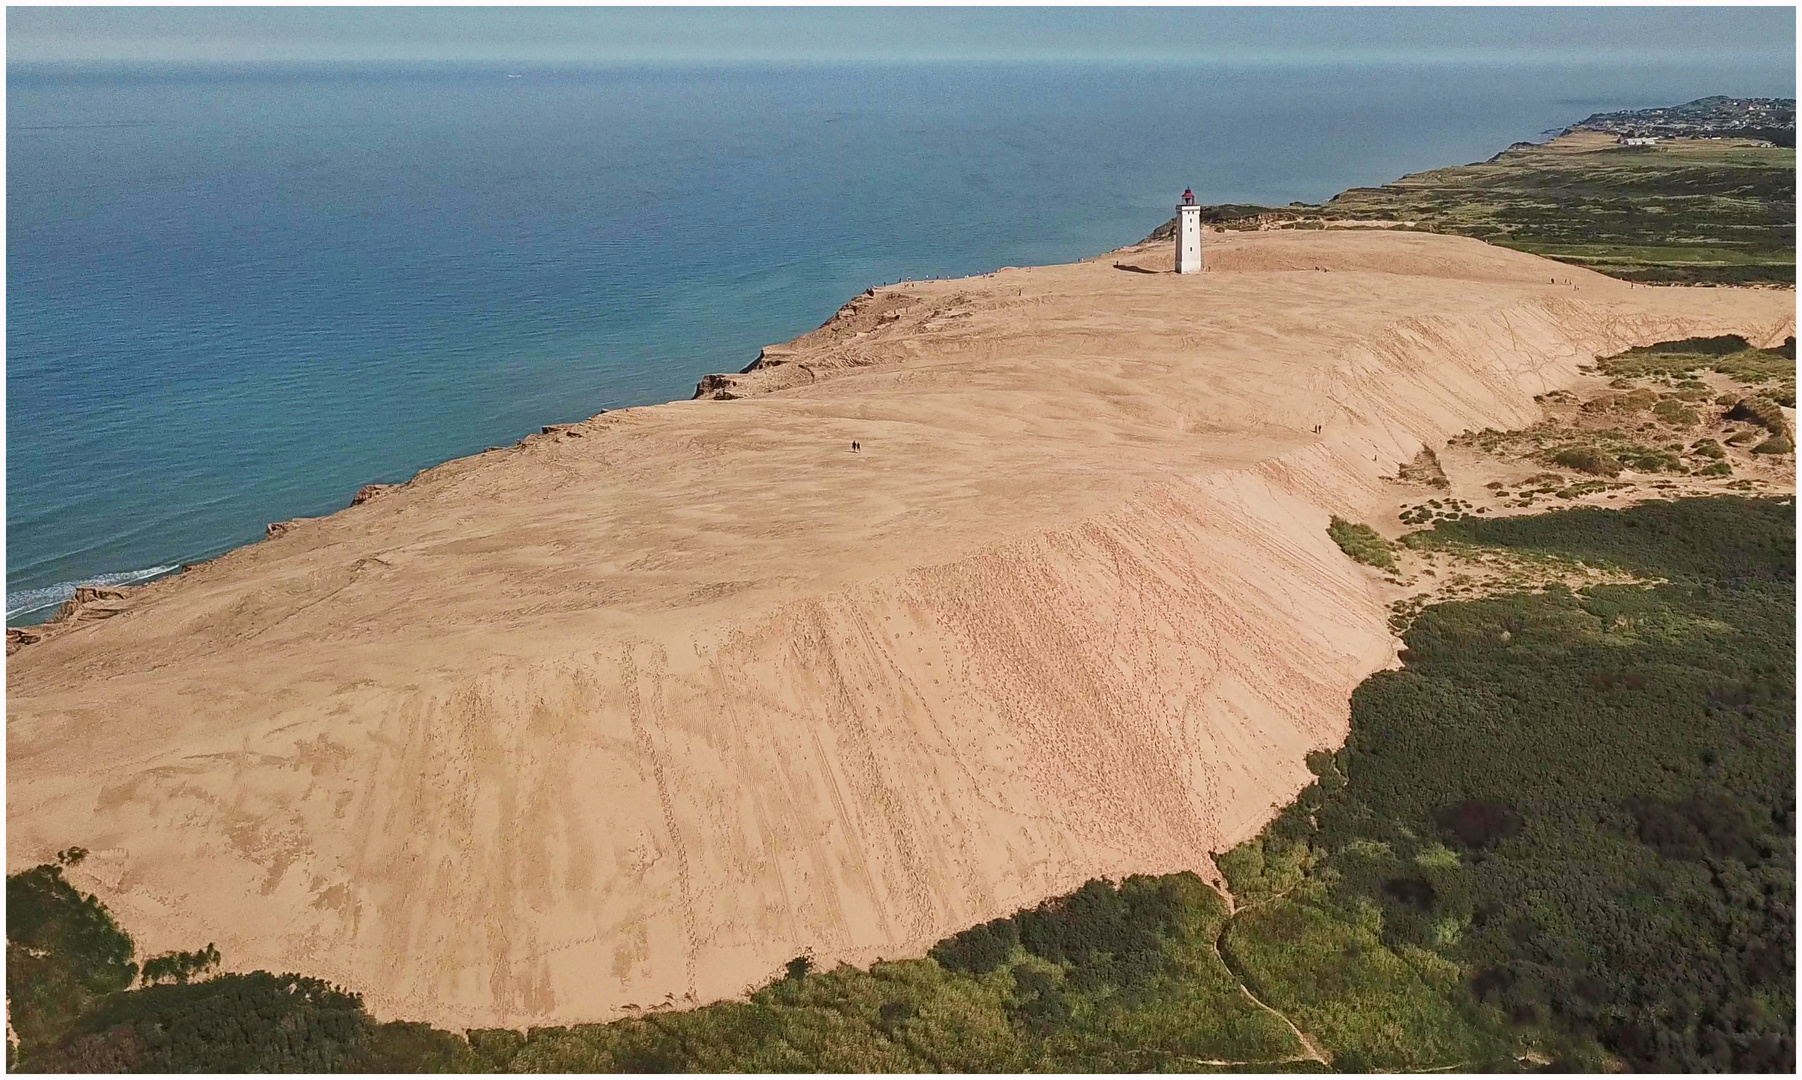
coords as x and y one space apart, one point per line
1188 235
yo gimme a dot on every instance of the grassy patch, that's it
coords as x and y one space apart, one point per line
1361 542
1773 370
1687 211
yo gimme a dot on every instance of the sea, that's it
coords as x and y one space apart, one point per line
236 295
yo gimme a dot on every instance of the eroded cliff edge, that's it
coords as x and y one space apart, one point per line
638 710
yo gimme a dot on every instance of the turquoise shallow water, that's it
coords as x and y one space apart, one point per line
236 296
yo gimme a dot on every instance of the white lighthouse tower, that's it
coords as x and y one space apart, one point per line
1188 235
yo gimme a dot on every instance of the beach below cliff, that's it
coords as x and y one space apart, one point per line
633 712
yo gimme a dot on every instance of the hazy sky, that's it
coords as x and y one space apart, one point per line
573 36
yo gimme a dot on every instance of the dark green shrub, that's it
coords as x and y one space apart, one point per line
495 1047
1725 537
1644 460
179 967
1479 823
1111 935
1761 411
1695 828
1776 444
980 949
1724 345
407 1047
234 1023
1039 1002
1589 459
64 952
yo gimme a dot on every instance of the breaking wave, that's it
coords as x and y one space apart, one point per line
31 601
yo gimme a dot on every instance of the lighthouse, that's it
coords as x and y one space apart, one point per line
1188 235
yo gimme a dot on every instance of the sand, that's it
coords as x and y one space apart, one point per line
632 713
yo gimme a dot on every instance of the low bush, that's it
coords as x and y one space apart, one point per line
1674 412
1362 543
1761 411
1588 459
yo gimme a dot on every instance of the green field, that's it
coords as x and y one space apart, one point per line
1686 211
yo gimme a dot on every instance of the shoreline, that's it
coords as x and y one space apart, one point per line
1325 215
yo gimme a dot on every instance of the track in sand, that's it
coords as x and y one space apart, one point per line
635 711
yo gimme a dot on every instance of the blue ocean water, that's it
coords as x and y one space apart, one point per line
236 296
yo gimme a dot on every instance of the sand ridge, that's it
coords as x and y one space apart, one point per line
631 713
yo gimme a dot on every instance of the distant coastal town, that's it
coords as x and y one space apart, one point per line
1719 117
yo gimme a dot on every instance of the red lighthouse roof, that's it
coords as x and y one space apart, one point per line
1188 197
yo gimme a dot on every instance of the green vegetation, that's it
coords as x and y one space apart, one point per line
1587 459
1120 977
64 952
1712 539
1639 430
179 967
1367 1005
1572 816
1361 542
1525 493
1447 509
1760 411
1110 978
245 1023
1563 834
1686 211
68 972
1730 355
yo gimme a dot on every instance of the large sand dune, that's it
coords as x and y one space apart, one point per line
638 710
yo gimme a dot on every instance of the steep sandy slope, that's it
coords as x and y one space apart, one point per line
638 710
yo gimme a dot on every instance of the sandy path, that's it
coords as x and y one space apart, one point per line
636 711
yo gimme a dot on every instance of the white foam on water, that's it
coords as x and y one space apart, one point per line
27 601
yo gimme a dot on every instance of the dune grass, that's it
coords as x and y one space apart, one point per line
1361 542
